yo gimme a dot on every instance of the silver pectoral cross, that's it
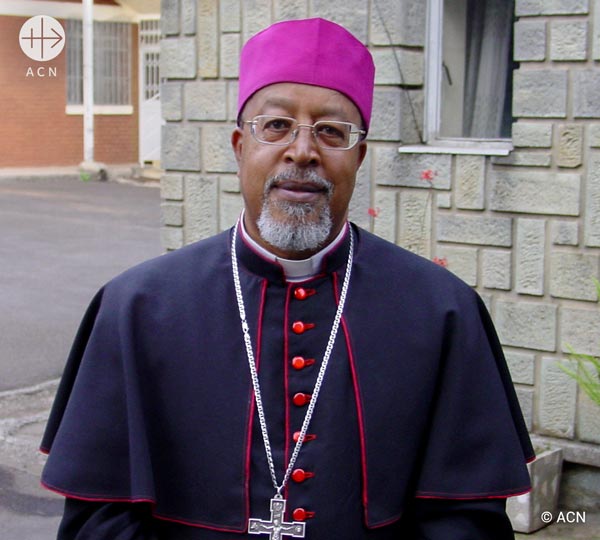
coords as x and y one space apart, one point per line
276 528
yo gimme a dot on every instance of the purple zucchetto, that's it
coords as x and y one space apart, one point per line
308 51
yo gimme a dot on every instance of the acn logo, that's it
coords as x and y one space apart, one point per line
42 38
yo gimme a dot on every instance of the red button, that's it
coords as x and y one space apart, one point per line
307 437
302 294
299 475
299 514
300 327
301 399
299 362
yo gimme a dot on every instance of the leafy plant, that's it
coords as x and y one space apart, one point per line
586 368
586 375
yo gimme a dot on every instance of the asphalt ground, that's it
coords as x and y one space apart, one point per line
60 240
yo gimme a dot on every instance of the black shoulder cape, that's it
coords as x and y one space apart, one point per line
155 406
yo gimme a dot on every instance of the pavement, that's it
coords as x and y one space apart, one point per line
61 239
585 526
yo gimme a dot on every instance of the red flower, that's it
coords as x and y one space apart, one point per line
428 175
441 261
374 212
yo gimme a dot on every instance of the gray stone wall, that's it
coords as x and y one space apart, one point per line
547 188
524 230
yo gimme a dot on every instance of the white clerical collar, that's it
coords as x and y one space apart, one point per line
295 270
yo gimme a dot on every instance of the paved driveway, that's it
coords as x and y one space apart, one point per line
60 240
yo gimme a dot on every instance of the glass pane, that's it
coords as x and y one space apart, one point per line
477 69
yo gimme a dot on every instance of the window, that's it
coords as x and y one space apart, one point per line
469 73
150 58
112 63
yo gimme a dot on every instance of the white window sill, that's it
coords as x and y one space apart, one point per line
113 110
489 148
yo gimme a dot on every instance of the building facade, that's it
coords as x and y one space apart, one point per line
501 184
41 102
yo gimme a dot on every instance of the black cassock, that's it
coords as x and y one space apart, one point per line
417 432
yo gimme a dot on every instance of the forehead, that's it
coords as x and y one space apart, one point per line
296 99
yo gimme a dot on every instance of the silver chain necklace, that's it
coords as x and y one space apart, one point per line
276 527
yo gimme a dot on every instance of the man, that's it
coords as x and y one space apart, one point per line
295 376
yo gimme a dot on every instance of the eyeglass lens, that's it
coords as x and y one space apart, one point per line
282 130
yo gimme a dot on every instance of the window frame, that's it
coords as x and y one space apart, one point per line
75 72
433 142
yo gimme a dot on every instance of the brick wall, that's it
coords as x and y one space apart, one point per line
524 230
35 130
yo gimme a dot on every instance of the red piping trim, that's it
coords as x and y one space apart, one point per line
470 496
258 253
258 346
359 411
132 500
385 523
340 241
43 450
92 497
307 280
286 386
248 459
199 525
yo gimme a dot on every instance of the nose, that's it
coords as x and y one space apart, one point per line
304 149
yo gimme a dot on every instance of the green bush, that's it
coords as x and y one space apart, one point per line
585 369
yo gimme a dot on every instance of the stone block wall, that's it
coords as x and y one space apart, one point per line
524 229
546 188
199 60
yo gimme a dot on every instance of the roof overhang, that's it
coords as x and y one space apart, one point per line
142 7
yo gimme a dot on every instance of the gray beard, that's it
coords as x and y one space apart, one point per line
306 226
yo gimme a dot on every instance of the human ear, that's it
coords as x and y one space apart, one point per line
237 143
362 152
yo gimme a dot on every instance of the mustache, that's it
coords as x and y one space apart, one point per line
307 176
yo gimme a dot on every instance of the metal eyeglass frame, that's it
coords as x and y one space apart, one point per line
353 129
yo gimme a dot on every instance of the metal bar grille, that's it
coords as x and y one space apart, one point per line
150 50
150 32
74 50
151 75
112 63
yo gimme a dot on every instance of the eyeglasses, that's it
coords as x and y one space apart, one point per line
282 131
